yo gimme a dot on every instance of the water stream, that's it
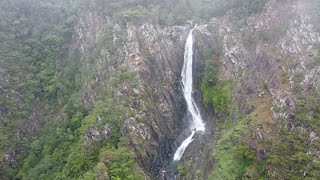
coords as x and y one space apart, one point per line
187 86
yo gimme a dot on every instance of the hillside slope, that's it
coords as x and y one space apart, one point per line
90 89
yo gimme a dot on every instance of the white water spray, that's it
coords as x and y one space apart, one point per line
187 86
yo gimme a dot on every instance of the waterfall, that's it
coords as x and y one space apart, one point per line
187 86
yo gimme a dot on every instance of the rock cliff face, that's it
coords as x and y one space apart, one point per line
263 59
266 58
156 54
255 57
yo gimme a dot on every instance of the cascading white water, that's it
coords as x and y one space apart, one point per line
187 86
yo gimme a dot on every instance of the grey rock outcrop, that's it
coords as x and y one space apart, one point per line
250 57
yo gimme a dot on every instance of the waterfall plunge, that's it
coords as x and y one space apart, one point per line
187 86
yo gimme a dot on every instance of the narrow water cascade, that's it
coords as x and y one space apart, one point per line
197 123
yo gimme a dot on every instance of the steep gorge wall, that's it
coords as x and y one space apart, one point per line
265 57
252 58
156 54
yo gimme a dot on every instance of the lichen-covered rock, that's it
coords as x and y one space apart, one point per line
93 135
141 141
96 134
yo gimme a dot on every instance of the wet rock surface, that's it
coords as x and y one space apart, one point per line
250 56
156 53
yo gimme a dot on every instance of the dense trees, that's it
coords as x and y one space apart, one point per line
35 36
41 83
173 12
43 121
60 151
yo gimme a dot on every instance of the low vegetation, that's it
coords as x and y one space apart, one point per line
215 92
